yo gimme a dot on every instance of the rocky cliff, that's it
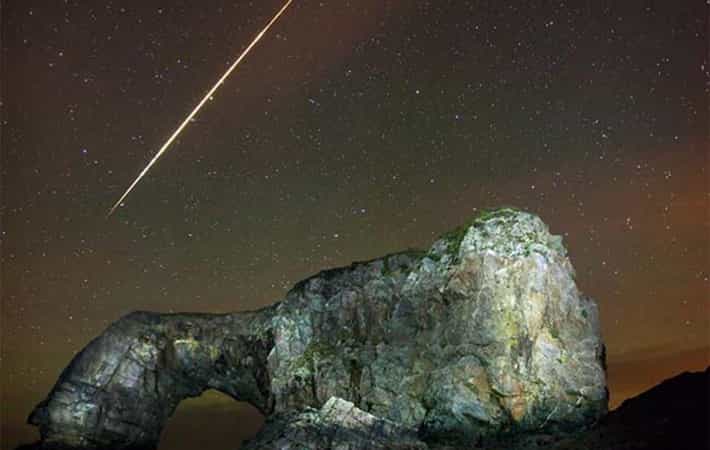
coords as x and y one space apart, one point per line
483 334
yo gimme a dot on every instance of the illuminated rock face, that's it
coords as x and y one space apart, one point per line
484 333
338 424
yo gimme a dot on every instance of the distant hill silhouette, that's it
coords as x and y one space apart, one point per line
630 374
673 415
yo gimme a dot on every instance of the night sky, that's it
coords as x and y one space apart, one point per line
354 129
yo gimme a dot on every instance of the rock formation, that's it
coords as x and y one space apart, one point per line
485 333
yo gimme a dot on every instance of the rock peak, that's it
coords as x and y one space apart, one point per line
504 231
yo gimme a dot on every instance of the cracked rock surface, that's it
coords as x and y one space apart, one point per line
482 334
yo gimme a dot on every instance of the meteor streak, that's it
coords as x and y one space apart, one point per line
198 107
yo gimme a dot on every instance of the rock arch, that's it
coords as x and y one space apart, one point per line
120 389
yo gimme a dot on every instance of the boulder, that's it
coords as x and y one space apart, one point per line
484 333
338 425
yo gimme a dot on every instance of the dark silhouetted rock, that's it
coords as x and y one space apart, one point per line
675 415
485 333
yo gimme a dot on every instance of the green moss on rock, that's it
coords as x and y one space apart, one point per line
454 237
316 351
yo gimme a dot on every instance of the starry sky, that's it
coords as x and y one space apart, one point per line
354 129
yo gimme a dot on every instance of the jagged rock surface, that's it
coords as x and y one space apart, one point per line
484 333
122 387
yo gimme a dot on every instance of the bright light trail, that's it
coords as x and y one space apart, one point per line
198 107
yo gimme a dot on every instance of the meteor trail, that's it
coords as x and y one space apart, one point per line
198 107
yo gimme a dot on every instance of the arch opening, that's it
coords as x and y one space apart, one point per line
212 420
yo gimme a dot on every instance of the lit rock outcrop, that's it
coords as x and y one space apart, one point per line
483 334
339 424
